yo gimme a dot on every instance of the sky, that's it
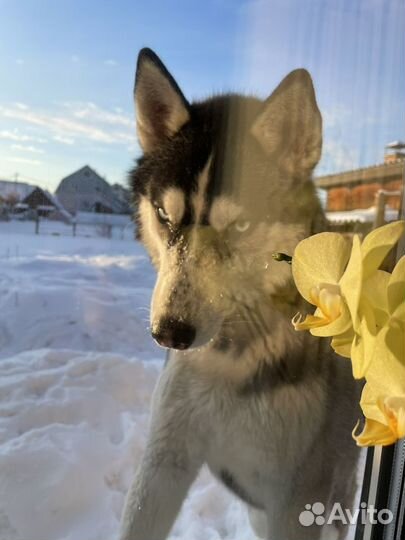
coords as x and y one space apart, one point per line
68 68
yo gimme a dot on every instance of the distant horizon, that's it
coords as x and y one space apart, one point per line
67 97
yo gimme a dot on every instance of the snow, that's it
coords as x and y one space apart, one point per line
109 219
77 370
361 215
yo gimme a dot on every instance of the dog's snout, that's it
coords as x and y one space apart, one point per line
174 334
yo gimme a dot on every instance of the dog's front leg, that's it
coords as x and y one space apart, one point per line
171 462
155 498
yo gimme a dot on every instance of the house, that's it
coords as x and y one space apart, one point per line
124 195
357 189
45 205
12 192
86 191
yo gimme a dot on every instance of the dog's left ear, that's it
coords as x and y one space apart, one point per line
290 125
161 108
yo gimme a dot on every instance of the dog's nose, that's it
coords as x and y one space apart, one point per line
174 334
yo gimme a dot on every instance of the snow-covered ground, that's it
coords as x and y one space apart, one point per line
77 369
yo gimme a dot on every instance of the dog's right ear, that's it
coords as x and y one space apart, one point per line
161 108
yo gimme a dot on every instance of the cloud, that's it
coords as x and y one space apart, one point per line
19 61
15 135
110 62
337 157
63 140
24 148
335 117
21 106
75 59
26 161
90 111
89 123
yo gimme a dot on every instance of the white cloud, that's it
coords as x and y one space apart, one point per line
337 157
21 106
15 135
73 126
63 140
75 59
26 161
335 117
20 61
92 112
110 62
24 148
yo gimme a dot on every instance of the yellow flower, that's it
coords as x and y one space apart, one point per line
363 309
385 420
318 265
327 296
347 288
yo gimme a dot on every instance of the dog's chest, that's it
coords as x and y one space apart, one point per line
251 443
242 459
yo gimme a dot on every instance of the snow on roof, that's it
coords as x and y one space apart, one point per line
10 187
395 145
57 204
360 215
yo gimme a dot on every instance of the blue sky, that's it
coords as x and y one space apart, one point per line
68 67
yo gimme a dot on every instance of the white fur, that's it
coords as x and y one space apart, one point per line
174 204
199 199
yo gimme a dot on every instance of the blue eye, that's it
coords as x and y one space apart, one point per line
162 215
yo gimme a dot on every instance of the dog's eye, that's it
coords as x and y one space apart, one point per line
242 225
162 215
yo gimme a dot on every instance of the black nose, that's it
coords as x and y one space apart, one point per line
174 334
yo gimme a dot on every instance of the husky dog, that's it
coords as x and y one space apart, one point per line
222 184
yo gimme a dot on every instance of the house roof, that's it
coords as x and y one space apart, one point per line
377 173
53 199
10 187
87 181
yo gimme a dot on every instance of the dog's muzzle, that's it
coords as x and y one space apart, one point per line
174 334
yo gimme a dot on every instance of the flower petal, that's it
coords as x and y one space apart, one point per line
374 433
396 287
321 258
386 371
395 345
342 344
394 410
378 244
351 281
363 347
369 404
336 327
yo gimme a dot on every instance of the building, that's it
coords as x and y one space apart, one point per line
45 205
124 195
357 189
86 191
12 192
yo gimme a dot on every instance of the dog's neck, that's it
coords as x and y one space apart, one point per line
254 345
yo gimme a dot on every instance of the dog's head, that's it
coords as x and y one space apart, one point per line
221 185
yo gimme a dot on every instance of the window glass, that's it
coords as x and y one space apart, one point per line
153 347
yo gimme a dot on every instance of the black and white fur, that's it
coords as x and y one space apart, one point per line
222 184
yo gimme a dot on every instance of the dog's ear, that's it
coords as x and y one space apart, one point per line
290 125
161 108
